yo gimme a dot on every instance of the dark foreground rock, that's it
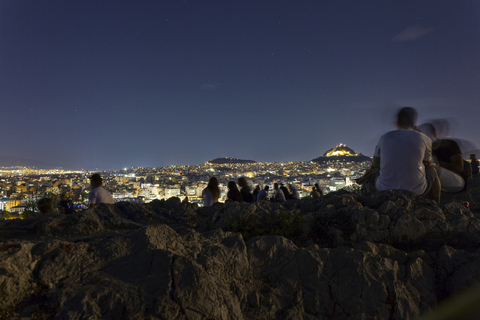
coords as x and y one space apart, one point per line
391 255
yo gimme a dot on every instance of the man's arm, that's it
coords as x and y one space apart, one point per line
456 164
373 170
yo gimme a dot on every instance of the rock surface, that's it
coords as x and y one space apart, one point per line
389 255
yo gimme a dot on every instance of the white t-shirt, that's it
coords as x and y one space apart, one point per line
401 154
100 195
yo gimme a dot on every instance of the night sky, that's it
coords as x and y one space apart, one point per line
114 84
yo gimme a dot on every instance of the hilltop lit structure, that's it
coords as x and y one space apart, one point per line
341 153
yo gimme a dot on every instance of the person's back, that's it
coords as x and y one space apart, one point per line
314 193
211 193
402 153
285 192
233 192
98 193
246 195
262 194
451 168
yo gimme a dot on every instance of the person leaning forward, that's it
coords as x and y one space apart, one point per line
403 159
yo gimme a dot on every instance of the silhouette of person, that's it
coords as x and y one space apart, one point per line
448 156
314 193
98 193
317 188
45 205
233 193
403 159
279 196
211 193
285 191
263 194
293 192
245 190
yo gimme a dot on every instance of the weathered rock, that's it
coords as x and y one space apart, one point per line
389 255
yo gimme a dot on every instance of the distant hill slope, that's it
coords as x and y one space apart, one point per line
359 158
227 160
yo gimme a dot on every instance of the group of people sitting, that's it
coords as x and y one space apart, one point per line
211 193
413 159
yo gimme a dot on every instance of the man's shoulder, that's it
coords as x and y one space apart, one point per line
405 133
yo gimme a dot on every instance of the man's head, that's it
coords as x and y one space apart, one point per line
406 118
429 130
472 156
266 188
96 181
275 186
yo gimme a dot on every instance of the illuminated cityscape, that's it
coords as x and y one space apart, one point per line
20 186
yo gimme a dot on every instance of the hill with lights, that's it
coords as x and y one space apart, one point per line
341 153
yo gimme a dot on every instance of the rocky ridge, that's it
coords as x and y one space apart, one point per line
389 255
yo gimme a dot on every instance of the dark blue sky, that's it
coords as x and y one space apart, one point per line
113 84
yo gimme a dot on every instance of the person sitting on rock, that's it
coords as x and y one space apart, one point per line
263 194
279 196
317 188
233 194
402 159
314 193
448 156
285 191
245 190
45 205
474 163
211 193
98 193
293 192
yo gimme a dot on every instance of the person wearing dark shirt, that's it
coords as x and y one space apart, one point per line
293 192
255 192
448 156
245 190
317 187
474 163
285 191
233 193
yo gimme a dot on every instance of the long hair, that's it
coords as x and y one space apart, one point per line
242 182
232 186
213 188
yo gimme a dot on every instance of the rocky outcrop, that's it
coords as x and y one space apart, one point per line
389 255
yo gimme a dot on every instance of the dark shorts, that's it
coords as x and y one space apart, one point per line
431 174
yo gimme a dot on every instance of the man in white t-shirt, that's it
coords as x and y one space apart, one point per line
98 193
403 157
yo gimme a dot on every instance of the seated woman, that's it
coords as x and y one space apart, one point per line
245 190
233 193
211 193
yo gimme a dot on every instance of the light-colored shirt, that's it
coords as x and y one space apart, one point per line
100 195
280 196
401 154
262 195
208 199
